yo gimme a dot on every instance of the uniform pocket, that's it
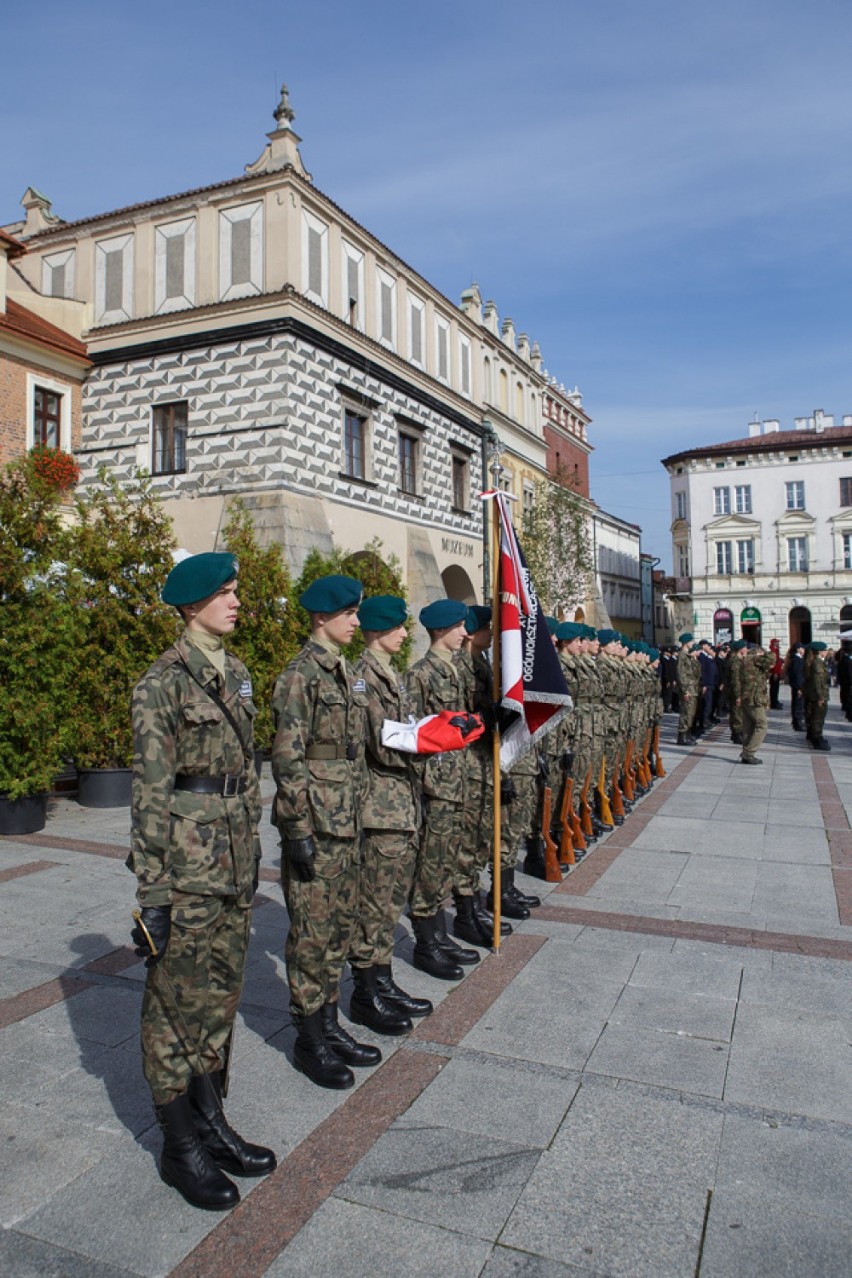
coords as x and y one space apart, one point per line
200 844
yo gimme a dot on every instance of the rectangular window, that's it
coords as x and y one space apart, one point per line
47 418
354 445
721 501
386 301
742 499
314 258
240 251
464 365
846 492
460 481
408 463
416 331
169 425
114 279
353 285
442 349
745 555
683 561
529 506
795 494
723 558
58 274
847 550
174 265
680 505
797 554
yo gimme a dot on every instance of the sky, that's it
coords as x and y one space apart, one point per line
659 192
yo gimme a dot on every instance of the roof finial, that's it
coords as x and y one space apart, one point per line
284 113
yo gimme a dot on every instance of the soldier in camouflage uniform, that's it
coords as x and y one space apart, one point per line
688 688
320 714
195 852
753 699
434 683
733 675
391 819
817 692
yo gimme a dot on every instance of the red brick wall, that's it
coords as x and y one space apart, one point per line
13 403
563 453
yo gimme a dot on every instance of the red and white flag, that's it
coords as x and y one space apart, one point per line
532 687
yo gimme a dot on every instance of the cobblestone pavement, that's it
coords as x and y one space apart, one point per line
652 1078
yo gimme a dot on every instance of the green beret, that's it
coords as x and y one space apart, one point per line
569 630
331 594
738 645
443 613
198 576
817 646
608 636
382 612
653 655
686 638
589 632
552 624
478 617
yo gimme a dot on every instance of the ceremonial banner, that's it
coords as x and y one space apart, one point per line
533 691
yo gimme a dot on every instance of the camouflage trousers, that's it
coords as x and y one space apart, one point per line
437 856
387 871
754 729
814 719
191 996
736 717
477 829
516 818
686 718
322 922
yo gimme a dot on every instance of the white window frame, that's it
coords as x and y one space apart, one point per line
63 390
416 304
122 244
680 504
794 489
68 259
310 223
683 561
459 455
742 499
185 229
442 331
745 555
722 500
412 434
847 550
465 366
354 409
253 213
724 558
351 254
798 541
385 280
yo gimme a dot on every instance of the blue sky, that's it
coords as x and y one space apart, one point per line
657 191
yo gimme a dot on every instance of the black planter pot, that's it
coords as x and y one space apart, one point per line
104 787
23 816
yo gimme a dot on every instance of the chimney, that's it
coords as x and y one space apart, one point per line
771 426
754 429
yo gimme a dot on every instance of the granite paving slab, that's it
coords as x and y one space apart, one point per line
506 1262
698 970
673 1012
23 1257
750 1237
460 1181
672 1059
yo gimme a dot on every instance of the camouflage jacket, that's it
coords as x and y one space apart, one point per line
320 715
475 675
688 672
391 802
434 684
199 843
817 681
753 687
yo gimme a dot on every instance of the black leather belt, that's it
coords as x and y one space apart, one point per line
227 786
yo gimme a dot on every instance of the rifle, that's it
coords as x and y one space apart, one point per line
603 800
659 770
576 827
629 782
552 872
647 774
585 807
566 840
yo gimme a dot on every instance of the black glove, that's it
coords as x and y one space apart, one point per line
567 760
300 855
156 920
466 723
508 792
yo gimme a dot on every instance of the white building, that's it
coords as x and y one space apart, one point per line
618 578
762 531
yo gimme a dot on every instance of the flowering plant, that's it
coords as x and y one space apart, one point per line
56 469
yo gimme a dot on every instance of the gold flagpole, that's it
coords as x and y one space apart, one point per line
495 695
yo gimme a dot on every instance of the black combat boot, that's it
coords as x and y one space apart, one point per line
428 955
467 925
341 1041
396 997
486 918
512 890
368 1007
227 1148
456 952
821 744
510 907
316 1058
186 1165
534 864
